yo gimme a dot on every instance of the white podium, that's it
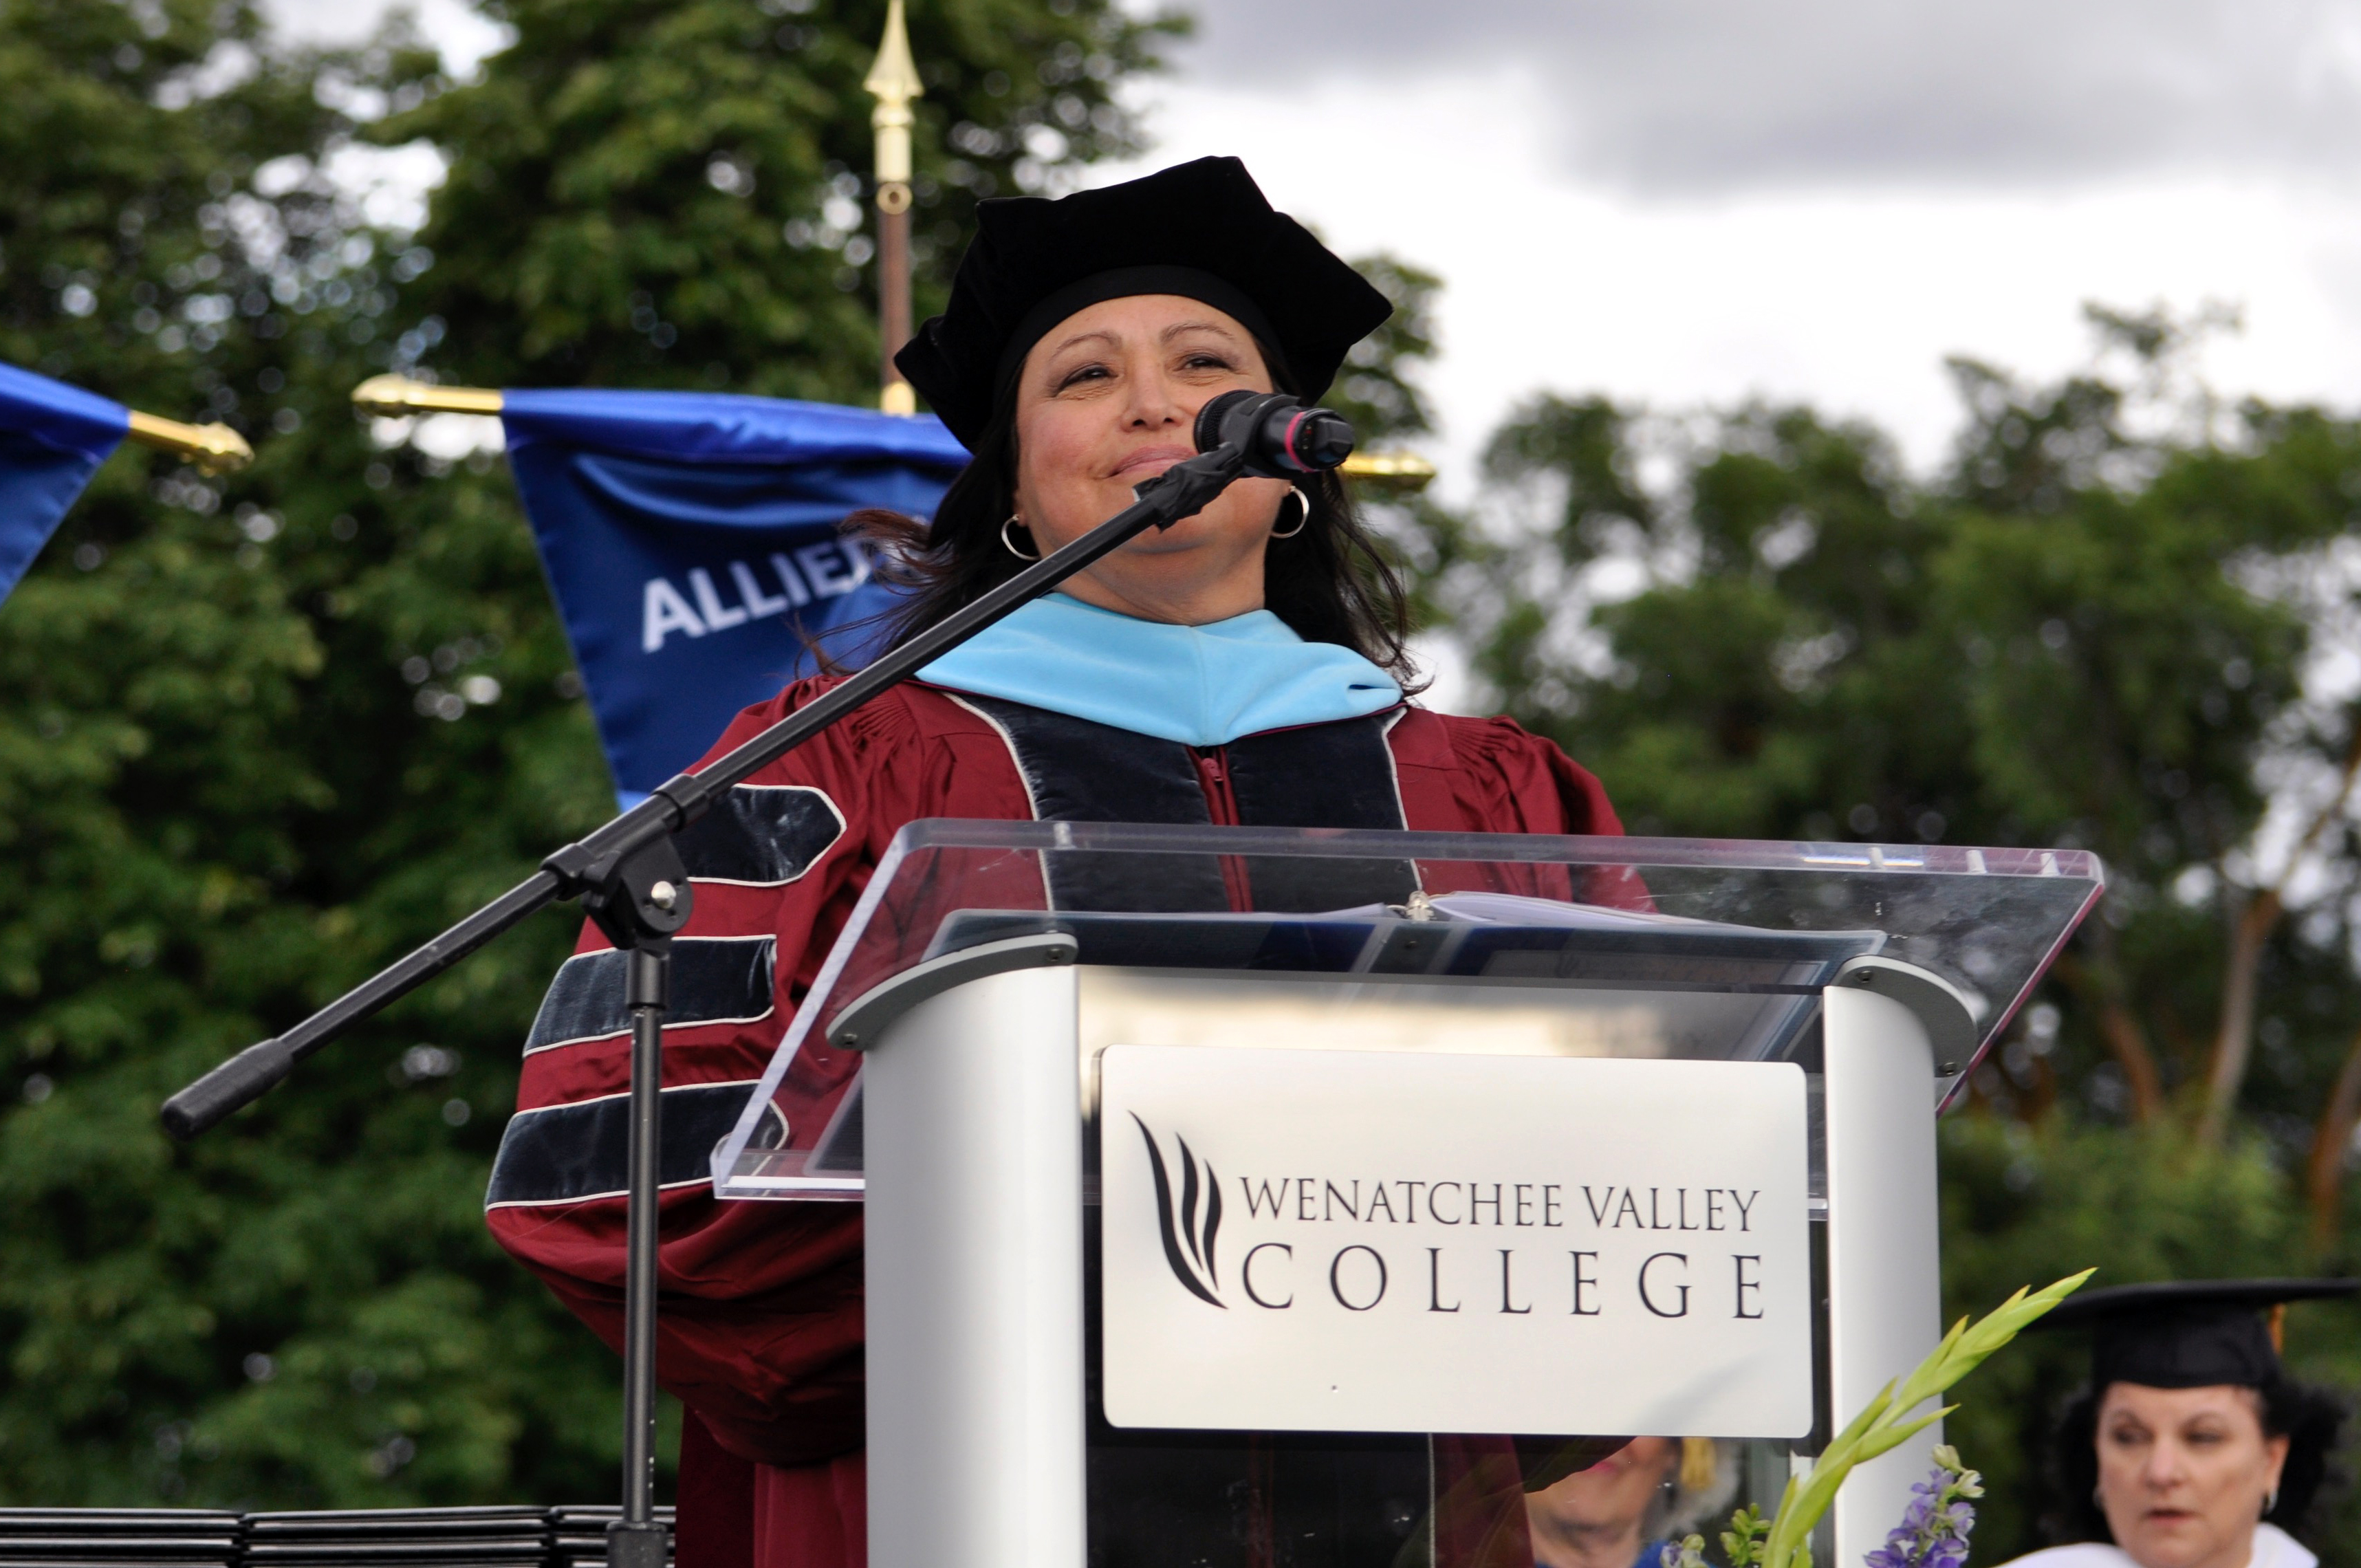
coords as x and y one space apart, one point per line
1254 1197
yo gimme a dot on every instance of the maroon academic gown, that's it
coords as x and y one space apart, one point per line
759 1327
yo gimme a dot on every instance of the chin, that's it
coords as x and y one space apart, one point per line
1153 542
2171 1544
1189 534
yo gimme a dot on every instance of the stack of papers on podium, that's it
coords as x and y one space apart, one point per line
1515 909
1465 935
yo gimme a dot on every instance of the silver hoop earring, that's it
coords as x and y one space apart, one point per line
1302 514
1013 520
2271 1503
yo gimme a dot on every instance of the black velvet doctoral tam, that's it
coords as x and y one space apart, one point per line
2190 1334
1201 230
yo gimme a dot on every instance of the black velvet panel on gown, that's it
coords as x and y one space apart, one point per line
1227 1500
1320 775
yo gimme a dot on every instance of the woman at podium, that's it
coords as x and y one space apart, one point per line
2192 1447
1244 667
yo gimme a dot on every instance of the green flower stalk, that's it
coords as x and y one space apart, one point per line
1886 1424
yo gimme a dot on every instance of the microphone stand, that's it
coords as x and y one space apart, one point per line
630 878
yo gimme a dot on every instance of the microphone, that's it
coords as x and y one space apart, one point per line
1279 436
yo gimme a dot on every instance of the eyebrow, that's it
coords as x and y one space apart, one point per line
1167 335
1101 335
1176 328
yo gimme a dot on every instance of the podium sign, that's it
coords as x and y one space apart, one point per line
1300 1241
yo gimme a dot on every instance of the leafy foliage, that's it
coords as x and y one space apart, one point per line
1378 388
665 192
2119 618
257 737
2101 628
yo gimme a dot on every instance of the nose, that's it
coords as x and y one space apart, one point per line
2164 1469
1154 403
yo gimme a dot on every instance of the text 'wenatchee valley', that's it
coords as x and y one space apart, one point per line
1540 1205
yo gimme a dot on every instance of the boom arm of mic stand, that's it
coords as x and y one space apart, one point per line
1182 491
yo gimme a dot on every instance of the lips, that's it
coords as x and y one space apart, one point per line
1150 456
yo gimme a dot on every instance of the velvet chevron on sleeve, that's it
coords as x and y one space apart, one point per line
760 1328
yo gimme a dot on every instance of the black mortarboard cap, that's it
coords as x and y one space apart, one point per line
1201 230
2186 1333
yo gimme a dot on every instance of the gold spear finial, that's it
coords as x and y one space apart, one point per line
893 82
1403 471
213 448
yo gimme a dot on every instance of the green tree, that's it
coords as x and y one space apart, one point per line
2103 625
669 192
258 736
1378 389
2080 634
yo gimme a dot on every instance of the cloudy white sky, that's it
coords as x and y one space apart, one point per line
1700 200
1689 201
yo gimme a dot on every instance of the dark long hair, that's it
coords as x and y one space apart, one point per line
2309 1417
1330 582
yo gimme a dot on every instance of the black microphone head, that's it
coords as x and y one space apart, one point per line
1320 440
1279 436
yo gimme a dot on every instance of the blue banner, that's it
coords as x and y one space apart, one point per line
691 542
52 438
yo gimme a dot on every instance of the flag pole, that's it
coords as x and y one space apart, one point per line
893 82
398 397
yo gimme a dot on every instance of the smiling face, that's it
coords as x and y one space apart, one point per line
1107 400
2184 1472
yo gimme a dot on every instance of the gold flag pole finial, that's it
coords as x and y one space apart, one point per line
1403 471
398 397
213 448
893 82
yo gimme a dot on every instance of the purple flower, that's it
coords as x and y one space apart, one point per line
1934 1529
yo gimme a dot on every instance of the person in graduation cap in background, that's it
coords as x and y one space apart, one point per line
2192 1447
1244 667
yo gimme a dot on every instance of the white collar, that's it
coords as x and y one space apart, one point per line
2273 1548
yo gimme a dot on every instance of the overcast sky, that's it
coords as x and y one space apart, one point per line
1691 201
1687 201
1690 96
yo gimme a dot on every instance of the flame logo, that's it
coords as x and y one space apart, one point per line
1189 1231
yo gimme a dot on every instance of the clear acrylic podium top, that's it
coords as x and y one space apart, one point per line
1737 938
